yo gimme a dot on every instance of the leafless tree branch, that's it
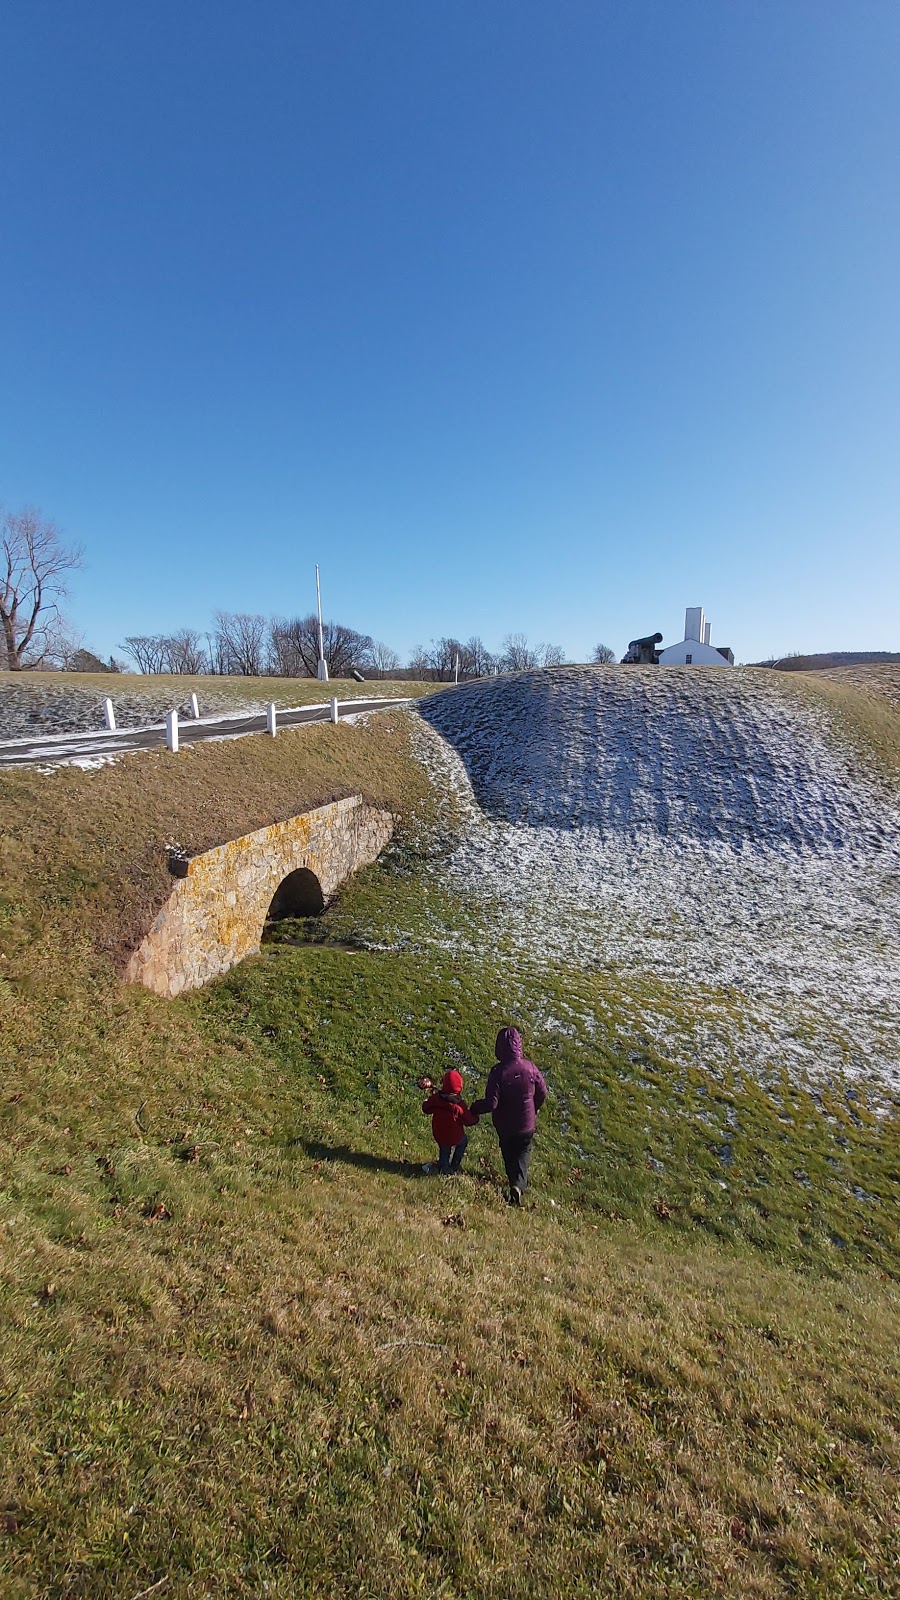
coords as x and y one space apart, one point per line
147 651
240 641
33 564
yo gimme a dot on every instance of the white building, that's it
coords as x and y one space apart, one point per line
695 650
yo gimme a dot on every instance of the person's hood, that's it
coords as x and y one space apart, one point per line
452 1083
509 1045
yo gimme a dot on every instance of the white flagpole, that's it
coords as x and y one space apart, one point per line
322 668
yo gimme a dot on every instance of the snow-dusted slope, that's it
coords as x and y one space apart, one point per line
633 751
703 837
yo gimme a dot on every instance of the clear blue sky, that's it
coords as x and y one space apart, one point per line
541 315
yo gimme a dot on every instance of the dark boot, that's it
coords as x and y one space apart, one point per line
516 1151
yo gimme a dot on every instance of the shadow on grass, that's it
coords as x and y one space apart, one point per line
318 1151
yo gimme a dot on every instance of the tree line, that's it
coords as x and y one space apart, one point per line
35 561
248 644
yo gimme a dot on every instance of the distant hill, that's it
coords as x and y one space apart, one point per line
829 658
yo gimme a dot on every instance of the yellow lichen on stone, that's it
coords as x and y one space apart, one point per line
215 915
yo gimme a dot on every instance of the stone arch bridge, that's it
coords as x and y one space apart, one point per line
217 910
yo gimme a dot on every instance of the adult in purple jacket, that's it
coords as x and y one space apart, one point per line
514 1094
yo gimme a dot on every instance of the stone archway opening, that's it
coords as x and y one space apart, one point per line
298 895
215 913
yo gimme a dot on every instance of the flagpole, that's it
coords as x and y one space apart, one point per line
322 668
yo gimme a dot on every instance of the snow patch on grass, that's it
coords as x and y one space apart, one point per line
699 841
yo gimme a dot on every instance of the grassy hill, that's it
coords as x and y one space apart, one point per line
249 1348
831 658
878 684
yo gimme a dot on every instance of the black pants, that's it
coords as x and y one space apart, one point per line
515 1149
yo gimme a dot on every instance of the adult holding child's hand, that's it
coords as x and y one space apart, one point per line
514 1095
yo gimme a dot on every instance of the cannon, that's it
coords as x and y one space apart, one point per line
643 652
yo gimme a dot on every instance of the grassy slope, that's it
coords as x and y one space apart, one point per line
247 1347
73 855
864 704
284 691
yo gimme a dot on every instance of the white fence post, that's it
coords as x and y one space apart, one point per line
195 709
271 718
334 711
110 715
172 730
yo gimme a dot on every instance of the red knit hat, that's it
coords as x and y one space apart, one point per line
452 1083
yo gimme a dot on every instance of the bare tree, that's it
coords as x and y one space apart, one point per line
216 652
381 658
33 562
518 655
603 655
419 662
438 664
551 655
285 658
241 642
444 656
60 642
184 652
344 647
479 661
147 651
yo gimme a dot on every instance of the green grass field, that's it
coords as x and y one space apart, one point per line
248 1348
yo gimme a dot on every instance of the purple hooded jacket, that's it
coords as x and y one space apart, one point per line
515 1089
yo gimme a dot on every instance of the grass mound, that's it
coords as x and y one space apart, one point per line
87 850
249 1349
731 758
726 845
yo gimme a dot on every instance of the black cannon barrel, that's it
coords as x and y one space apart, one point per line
643 652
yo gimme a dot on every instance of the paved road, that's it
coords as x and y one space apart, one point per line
66 748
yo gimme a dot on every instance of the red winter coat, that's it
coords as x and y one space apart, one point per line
450 1116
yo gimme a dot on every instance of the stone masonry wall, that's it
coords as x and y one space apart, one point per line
215 914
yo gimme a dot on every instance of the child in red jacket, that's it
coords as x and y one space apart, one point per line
450 1116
